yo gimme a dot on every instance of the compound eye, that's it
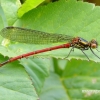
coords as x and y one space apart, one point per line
93 45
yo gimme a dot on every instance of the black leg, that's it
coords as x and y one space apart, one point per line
97 50
94 53
85 55
72 49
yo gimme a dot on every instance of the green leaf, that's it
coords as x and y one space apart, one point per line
15 83
53 89
79 81
3 22
10 8
28 5
79 76
38 70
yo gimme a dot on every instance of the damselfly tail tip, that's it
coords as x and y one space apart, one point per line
3 63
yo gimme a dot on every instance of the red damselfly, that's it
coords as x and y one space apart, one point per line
37 37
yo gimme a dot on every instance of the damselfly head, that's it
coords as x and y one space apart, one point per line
93 44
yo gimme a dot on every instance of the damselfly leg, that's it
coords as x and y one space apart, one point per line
94 53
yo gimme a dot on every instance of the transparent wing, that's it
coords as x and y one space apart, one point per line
32 36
